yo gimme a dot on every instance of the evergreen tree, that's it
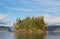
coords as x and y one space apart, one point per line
33 23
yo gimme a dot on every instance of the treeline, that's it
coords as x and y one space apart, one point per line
30 23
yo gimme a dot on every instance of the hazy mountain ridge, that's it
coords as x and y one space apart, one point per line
53 27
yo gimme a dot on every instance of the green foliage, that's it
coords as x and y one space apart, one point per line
33 23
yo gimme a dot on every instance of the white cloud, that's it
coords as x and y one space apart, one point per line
51 6
2 16
20 9
54 9
38 5
51 19
48 2
45 6
8 23
4 21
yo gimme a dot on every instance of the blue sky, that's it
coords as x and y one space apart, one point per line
11 9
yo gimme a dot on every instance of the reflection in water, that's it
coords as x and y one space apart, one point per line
26 35
20 35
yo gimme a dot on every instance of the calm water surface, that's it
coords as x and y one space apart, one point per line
10 35
53 35
6 35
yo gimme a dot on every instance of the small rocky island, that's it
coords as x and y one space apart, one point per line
30 28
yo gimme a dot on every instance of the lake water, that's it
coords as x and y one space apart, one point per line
55 35
10 35
6 35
